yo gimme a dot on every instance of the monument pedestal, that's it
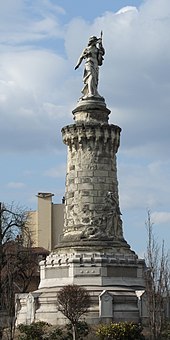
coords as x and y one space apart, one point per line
119 273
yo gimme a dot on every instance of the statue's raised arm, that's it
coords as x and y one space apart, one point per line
93 55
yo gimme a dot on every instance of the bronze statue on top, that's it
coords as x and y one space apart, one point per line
93 55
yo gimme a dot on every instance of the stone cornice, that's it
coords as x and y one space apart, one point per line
81 134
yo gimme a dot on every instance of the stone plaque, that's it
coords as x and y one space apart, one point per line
105 305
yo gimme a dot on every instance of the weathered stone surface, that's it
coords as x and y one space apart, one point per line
92 175
106 305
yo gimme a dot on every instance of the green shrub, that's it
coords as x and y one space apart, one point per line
120 331
43 331
166 331
1 332
35 331
54 334
82 330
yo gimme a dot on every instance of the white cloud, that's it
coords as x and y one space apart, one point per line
43 6
16 185
127 9
160 217
28 89
58 171
32 70
142 185
22 22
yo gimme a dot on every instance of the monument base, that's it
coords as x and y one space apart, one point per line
118 273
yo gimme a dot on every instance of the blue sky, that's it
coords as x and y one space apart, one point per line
40 42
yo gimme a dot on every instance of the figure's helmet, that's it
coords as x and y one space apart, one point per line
93 39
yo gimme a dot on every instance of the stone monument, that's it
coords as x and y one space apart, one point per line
92 251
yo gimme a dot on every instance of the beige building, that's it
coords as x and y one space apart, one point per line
46 223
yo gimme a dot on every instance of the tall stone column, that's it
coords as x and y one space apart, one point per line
91 198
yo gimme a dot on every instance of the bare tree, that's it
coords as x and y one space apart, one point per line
73 301
14 262
157 282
